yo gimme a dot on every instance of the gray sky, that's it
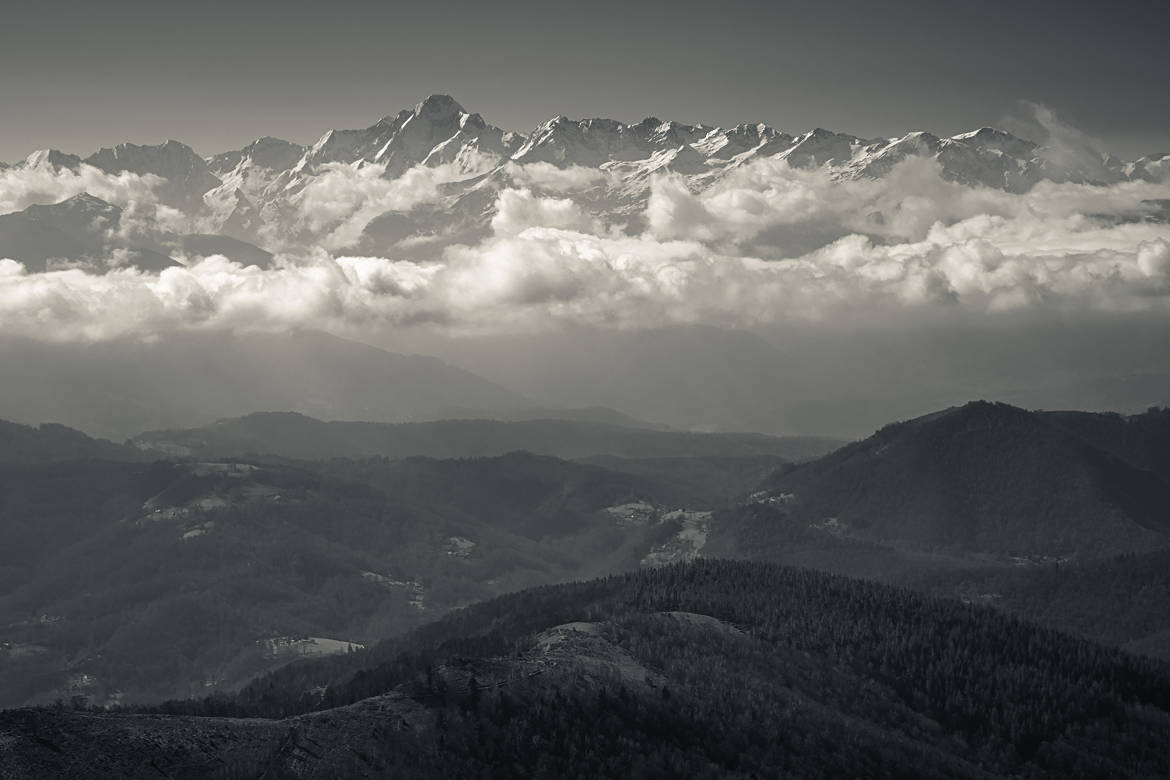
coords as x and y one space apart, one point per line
215 75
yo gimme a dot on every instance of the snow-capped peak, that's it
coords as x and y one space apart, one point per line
439 108
51 158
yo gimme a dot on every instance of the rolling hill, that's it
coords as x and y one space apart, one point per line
991 479
124 580
710 669
51 442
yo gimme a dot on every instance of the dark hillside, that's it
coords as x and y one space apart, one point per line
711 669
989 478
136 582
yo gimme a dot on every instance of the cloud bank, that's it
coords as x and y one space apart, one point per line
344 199
24 186
766 244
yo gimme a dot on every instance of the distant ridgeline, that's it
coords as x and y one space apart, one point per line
297 436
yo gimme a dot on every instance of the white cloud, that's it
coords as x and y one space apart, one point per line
343 200
768 244
1153 259
518 210
549 178
24 186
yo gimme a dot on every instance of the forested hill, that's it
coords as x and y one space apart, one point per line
1123 601
52 443
991 478
144 581
708 669
1142 440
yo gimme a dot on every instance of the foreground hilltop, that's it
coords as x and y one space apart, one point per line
707 669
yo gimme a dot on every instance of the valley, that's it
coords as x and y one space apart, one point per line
140 576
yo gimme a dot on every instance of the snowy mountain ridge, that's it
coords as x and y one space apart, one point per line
261 190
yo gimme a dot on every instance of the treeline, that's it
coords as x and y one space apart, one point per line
831 675
991 478
157 578
1121 601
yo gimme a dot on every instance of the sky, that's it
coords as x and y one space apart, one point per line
908 284
78 76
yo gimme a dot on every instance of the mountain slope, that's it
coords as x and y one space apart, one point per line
435 132
1123 601
146 581
77 231
990 478
716 669
52 443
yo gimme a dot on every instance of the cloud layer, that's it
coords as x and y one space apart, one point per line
24 186
766 244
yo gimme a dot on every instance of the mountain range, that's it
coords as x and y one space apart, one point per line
188 562
258 193
422 182
433 448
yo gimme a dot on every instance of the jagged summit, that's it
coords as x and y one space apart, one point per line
266 152
999 140
82 200
256 191
268 144
52 158
436 131
435 108
131 153
439 107
86 200
185 174
993 478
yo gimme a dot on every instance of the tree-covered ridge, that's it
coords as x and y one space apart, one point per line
1142 440
164 579
53 443
994 479
1122 601
711 669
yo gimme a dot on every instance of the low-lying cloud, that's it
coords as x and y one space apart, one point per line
29 185
767 244
550 178
340 202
